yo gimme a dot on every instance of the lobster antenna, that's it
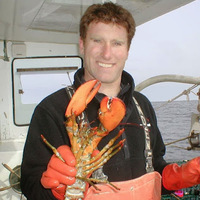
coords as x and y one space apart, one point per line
69 78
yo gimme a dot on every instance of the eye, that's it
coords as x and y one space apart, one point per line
97 40
117 43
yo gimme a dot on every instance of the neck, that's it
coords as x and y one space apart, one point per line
110 90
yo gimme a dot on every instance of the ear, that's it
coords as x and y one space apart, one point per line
81 46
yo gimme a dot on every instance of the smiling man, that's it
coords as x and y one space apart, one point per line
106 31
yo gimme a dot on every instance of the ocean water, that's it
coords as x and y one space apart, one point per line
174 122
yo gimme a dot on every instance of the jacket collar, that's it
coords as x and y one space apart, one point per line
127 84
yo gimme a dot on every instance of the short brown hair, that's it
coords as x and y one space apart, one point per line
108 13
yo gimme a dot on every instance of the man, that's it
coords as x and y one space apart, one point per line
106 32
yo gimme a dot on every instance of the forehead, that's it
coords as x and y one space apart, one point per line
106 29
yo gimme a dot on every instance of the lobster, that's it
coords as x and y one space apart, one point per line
85 139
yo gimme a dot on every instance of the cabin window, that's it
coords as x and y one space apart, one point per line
37 86
36 78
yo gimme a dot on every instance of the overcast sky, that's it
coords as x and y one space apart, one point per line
169 44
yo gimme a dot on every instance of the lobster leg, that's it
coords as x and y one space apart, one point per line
105 157
105 149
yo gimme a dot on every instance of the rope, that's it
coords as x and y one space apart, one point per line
178 140
185 92
188 137
173 195
188 148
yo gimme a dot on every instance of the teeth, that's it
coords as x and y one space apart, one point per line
105 65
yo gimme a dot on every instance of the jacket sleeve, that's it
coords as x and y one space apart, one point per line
36 154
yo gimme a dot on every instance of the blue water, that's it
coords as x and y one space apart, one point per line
174 121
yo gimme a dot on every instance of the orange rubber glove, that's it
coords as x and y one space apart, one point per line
177 177
59 174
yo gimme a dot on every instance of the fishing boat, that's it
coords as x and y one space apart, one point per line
39 55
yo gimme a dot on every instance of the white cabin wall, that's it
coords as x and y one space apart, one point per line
48 49
5 97
8 131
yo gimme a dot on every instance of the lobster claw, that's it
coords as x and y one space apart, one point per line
83 95
111 112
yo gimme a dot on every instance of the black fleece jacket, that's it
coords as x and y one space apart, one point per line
48 119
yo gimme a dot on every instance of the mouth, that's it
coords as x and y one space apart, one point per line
105 65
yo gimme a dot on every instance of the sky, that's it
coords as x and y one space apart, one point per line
169 44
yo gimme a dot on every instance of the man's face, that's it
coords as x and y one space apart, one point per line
105 52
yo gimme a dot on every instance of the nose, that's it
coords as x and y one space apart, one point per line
106 51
